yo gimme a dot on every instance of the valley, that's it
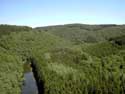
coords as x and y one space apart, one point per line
62 59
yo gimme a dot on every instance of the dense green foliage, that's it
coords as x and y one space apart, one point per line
11 73
118 40
69 59
6 29
79 33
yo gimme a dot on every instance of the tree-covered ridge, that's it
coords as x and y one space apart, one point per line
65 67
80 33
6 29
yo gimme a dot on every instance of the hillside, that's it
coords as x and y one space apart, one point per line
80 33
6 29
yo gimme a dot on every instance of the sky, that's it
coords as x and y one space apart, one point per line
53 12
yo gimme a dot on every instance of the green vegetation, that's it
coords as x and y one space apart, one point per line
6 29
69 59
79 33
11 73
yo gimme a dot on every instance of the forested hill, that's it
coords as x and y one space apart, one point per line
6 29
80 33
76 33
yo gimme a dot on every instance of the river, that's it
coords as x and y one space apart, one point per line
29 85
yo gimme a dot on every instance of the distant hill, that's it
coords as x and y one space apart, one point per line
6 29
80 33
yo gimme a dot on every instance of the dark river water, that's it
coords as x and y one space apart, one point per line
29 86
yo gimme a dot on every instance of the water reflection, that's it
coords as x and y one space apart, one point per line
30 86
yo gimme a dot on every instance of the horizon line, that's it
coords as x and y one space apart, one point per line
62 24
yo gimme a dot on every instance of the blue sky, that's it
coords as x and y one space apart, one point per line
52 12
